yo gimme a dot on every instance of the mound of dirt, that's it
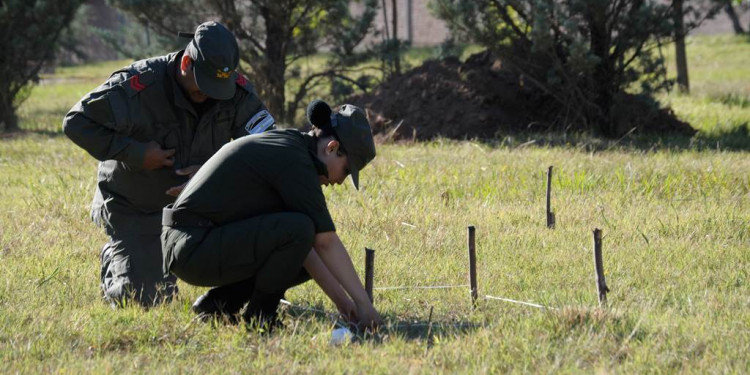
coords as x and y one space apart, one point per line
477 99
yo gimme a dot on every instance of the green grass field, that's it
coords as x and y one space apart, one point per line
676 224
720 87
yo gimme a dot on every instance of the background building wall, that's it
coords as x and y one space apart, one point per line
425 29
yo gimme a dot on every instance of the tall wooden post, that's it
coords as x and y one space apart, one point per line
601 284
550 214
369 271
472 266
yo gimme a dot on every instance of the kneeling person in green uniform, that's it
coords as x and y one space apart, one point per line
253 221
152 124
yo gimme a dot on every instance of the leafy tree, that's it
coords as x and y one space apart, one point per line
29 31
135 39
273 35
688 15
101 32
391 49
729 9
584 53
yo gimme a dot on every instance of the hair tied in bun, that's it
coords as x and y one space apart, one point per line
319 114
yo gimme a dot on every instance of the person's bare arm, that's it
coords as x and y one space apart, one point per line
330 286
333 253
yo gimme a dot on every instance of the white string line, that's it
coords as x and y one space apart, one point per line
519 302
396 325
421 287
438 324
285 302
465 286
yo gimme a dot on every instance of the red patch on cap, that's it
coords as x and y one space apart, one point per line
135 83
241 80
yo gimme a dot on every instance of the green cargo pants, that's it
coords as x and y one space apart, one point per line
270 248
131 263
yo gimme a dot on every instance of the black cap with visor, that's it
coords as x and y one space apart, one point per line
351 128
215 55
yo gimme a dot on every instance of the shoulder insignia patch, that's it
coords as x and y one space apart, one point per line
135 83
260 122
138 82
243 82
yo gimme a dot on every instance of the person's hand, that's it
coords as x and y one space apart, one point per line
348 310
368 317
156 157
188 171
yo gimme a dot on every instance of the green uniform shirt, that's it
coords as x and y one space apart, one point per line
276 171
143 102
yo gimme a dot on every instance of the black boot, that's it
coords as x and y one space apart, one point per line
224 302
261 312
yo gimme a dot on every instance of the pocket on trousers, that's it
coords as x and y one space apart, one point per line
167 248
238 254
119 269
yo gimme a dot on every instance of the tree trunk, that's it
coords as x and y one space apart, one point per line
275 65
385 21
275 91
604 70
396 47
8 119
733 16
410 21
683 83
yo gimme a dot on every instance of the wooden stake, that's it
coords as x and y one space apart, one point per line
601 284
369 271
472 267
550 214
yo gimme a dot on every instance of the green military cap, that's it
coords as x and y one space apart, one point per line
353 131
215 55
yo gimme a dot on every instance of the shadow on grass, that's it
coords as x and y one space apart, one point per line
27 128
417 329
24 132
732 100
43 121
735 139
424 330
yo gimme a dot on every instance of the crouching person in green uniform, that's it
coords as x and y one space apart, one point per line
253 221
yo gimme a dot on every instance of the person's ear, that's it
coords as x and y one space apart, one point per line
186 63
332 147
